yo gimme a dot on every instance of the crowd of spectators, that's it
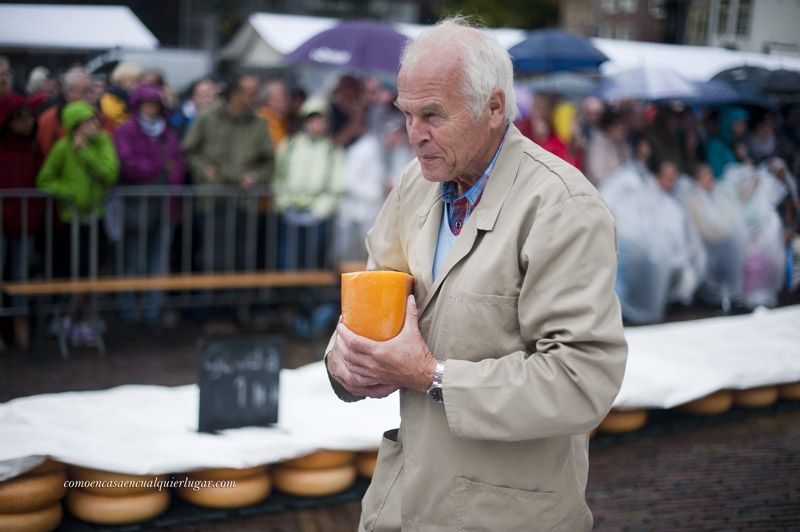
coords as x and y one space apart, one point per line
328 161
705 200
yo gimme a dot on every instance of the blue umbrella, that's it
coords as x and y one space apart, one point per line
554 51
365 46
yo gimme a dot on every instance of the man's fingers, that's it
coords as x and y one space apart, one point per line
411 314
355 342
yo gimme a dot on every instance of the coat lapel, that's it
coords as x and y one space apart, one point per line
482 219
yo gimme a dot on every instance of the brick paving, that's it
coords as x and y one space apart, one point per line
739 471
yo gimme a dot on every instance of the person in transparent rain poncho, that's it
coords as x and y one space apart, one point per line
751 190
724 236
659 259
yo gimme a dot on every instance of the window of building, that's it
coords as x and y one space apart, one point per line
722 17
657 9
743 17
609 6
627 6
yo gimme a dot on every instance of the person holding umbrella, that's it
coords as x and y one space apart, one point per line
512 347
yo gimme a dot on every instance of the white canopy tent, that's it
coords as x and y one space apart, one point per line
696 63
72 27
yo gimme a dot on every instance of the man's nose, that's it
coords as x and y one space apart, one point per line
417 131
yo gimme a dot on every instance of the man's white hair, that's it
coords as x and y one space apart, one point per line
487 65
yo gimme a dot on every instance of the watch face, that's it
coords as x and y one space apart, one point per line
436 395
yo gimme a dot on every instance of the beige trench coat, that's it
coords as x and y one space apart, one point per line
525 315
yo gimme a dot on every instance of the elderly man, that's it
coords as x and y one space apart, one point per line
77 85
512 348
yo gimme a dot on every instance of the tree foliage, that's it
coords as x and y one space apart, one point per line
524 14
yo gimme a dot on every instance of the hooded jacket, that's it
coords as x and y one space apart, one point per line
81 176
721 148
19 162
142 157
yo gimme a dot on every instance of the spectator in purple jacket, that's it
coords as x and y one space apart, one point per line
149 154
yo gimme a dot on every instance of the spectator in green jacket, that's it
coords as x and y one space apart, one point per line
78 171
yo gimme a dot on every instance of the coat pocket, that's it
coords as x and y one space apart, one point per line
380 508
491 322
485 507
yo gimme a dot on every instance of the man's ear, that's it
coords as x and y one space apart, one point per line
497 108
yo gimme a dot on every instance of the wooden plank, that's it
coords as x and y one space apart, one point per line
217 281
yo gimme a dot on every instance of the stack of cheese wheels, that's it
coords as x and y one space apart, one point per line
374 303
790 391
317 474
618 421
365 463
755 397
713 404
108 498
32 501
226 487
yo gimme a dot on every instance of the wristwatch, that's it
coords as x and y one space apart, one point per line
435 391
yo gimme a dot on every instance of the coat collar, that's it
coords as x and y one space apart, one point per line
483 218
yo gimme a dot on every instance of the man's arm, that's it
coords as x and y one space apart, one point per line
386 255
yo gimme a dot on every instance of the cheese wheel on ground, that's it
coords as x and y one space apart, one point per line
114 484
225 473
246 492
374 303
313 482
755 397
366 462
710 405
42 520
105 510
618 421
322 459
30 492
790 392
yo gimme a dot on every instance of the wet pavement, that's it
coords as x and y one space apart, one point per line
737 471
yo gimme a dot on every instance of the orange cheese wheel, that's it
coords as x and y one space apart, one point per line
87 474
755 397
366 462
48 466
314 482
322 459
790 392
104 510
710 405
224 473
618 421
30 492
246 492
374 303
42 520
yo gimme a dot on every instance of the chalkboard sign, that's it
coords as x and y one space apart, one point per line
238 379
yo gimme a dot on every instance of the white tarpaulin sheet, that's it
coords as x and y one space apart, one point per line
72 27
152 429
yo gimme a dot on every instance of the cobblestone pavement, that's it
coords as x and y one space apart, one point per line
739 471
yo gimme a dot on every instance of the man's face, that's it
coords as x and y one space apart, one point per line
204 93
244 99
667 176
449 143
82 88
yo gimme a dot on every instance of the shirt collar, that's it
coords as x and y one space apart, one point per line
449 189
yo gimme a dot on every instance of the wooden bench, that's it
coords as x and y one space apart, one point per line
37 289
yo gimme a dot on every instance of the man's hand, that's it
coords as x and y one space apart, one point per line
375 369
